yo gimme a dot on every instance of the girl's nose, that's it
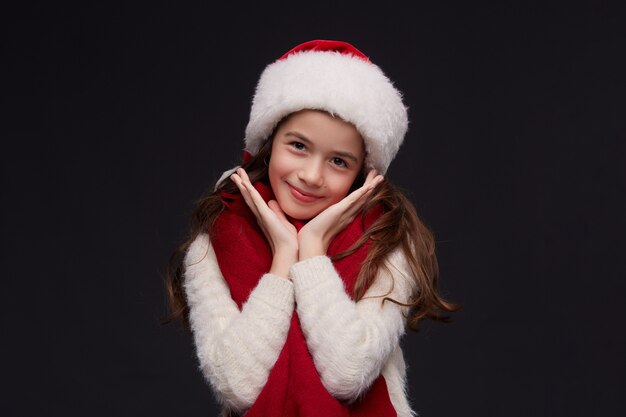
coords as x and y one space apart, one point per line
311 173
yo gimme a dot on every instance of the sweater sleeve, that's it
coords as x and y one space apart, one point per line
236 348
349 341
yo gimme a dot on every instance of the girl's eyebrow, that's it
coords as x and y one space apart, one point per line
343 154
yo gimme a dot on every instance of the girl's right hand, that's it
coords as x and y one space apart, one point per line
281 235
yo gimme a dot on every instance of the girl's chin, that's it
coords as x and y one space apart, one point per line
301 216
301 213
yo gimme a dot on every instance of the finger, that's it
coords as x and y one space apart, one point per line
355 201
245 181
239 183
244 176
242 188
251 192
273 204
245 193
370 183
254 194
275 207
370 176
376 180
373 179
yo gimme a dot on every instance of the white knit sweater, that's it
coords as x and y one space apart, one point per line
351 343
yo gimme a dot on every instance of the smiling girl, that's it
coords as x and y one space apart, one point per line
304 266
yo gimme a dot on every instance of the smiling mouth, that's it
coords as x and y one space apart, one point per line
302 196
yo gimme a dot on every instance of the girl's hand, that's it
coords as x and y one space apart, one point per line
281 235
316 235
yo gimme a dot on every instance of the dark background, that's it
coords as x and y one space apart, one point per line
117 117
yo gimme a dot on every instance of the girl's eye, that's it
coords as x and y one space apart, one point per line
339 162
298 145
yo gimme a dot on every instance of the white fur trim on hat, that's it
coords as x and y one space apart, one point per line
344 85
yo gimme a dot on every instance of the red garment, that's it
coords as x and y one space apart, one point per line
293 388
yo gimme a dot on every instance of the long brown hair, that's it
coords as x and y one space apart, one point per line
398 226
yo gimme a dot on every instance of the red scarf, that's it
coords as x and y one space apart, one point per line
294 388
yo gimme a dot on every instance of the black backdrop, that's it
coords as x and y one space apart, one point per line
117 117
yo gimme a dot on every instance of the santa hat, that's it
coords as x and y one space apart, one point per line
336 77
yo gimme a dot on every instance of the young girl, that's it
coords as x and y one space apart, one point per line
305 265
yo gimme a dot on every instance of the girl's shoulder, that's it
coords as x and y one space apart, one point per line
394 278
198 250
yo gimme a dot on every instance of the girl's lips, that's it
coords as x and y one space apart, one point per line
302 196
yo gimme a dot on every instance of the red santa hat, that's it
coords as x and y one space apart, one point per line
336 77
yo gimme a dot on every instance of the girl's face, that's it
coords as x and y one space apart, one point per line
314 161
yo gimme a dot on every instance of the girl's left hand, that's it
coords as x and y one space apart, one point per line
316 235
